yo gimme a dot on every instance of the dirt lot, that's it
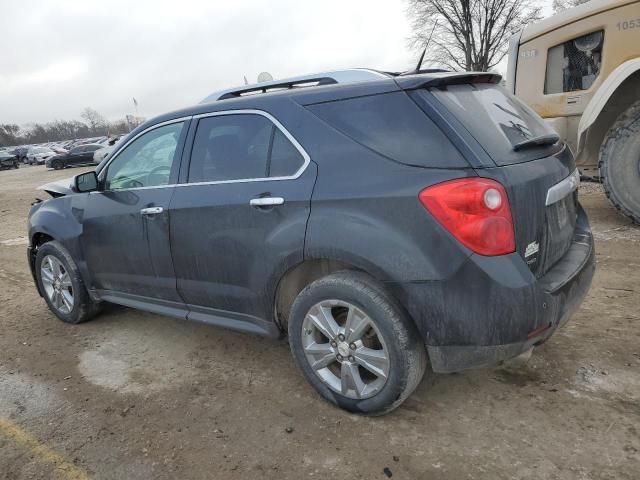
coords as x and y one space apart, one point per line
133 395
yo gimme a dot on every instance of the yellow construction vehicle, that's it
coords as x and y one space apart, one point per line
580 70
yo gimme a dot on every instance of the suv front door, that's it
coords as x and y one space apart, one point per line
240 220
126 226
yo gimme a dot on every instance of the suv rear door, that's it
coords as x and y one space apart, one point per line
239 220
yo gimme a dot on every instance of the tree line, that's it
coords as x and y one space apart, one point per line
93 125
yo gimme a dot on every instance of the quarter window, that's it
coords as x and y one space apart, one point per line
285 159
147 161
574 65
392 125
240 147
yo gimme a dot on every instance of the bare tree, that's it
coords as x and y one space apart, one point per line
467 34
559 5
94 119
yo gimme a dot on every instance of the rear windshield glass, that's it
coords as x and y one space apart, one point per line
497 120
394 126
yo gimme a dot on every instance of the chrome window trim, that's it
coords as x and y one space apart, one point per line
146 130
291 138
278 125
563 188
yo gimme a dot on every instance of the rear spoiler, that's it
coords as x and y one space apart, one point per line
412 82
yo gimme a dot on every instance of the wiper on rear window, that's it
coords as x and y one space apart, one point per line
548 139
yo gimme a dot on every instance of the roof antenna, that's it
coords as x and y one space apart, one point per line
417 70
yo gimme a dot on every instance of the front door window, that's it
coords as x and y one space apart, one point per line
147 161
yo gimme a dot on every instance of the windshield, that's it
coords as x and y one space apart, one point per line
497 120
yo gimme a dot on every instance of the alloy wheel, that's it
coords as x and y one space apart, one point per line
57 284
345 349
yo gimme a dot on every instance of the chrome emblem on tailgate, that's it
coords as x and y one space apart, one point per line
532 249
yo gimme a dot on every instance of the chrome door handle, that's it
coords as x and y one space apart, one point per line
266 201
151 210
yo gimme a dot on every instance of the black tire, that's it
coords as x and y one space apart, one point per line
57 165
83 307
620 163
406 351
16 165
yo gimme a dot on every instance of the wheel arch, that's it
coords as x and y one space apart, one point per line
294 280
616 94
49 222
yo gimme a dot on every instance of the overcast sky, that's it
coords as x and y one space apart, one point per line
57 57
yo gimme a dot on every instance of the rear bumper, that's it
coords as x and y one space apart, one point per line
496 309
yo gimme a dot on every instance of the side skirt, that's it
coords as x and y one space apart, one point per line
210 316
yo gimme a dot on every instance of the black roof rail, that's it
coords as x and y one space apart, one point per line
310 82
326 78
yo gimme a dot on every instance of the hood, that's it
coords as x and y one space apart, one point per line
59 188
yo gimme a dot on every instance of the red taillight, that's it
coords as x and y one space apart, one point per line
474 210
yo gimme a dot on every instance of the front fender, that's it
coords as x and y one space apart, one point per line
60 220
602 96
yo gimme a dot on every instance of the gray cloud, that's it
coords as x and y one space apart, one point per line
56 59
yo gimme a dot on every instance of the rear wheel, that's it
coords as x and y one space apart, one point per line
15 164
620 163
355 344
57 165
61 284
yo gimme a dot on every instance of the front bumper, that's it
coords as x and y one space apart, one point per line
495 309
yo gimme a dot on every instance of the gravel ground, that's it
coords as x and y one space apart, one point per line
133 395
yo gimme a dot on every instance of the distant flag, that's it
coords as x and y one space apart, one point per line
135 102
245 80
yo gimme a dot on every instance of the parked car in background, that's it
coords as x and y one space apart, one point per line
374 219
8 160
39 155
80 155
21 153
58 149
104 152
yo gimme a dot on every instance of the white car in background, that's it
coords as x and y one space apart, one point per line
38 155
103 153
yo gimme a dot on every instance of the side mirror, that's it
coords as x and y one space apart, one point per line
86 182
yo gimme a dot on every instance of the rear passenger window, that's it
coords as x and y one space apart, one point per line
285 158
394 126
230 147
241 147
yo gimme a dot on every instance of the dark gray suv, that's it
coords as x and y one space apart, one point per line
385 222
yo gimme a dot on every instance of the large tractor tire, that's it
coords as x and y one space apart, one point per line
620 163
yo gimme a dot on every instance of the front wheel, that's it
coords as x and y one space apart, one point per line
355 344
61 284
57 165
15 164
